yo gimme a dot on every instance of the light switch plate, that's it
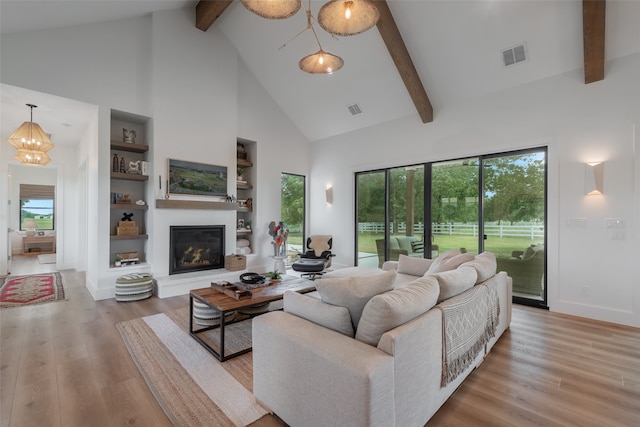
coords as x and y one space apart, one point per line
613 223
577 222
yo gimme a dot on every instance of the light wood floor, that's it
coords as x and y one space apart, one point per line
64 364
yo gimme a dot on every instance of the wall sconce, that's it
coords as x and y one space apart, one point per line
594 178
329 195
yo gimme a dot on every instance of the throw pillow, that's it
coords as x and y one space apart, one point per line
449 260
394 308
417 246
412 265
454 282
485 265
404 243
316 311
354 292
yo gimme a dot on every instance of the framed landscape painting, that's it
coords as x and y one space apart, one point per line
197 179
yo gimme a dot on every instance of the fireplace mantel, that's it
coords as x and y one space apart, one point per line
195 204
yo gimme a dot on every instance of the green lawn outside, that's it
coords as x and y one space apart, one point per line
500 246
43 224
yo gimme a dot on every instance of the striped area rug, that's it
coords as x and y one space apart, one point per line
191 386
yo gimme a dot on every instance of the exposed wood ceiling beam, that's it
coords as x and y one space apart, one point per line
207 11
593 22
400 55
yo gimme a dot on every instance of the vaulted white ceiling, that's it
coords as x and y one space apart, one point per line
455 46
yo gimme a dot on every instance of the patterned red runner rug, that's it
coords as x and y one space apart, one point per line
18 291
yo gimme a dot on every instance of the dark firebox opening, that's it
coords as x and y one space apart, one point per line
196 248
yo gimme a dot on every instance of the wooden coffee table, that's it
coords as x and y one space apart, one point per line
225 304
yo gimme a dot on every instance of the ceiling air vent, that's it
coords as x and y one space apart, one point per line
354 109
514 55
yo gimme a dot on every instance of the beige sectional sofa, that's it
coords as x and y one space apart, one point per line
367 349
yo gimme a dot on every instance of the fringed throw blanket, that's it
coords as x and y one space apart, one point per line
469 321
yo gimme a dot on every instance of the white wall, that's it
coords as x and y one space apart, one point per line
578 122
194 116
280 147
193 87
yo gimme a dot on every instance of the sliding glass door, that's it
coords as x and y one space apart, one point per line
454 206
406 212
515 220
494 203
370 217
292 213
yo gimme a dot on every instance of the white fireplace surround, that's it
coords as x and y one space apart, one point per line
181 284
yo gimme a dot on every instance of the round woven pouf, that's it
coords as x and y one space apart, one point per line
256 309
204 315
134 287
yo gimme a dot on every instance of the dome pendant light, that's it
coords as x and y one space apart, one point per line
321 62
348 17
273 9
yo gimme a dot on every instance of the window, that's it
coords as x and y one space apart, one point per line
37 207
494 202
292 213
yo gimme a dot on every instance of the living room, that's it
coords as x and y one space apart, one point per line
202 98
578 123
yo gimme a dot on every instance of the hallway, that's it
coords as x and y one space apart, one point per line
22 265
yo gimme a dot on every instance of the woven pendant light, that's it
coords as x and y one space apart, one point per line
32 157
321 62
30 136
348 17
272 9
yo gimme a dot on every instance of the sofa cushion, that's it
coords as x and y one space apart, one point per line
412 265
454 282
391 309
316 311
485 265
449 260
530 251
417 246
354 271
393 243
405 243
354 292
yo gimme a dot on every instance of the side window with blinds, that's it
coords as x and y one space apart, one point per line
37 207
